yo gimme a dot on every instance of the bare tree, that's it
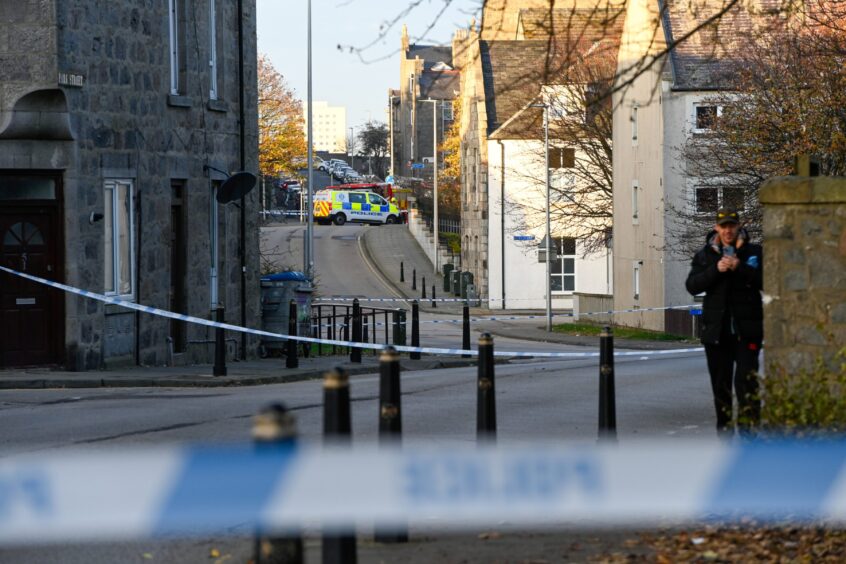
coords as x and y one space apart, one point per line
788 100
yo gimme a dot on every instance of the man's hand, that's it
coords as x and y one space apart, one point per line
728 263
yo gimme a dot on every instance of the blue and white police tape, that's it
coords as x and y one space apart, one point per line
236 489
280 336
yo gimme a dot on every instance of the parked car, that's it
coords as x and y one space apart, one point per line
340 171
352 176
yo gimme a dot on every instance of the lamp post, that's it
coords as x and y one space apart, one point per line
435 176
309 243
548 228
352 147
391 131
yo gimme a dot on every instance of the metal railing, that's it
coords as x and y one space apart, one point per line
334 322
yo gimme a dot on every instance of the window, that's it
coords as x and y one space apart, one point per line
634 125
213 90
562 157
562 271
377 200
635 210
708 199
357 198
177 47
119 244
705 116
636 281
447 111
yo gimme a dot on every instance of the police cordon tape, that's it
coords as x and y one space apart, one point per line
523 317
236 489
280 336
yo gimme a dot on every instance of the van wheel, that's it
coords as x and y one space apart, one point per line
392 220
340 219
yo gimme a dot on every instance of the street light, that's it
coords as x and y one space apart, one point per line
548 230
309 243
435 176
352 147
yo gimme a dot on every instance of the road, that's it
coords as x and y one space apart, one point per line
656 397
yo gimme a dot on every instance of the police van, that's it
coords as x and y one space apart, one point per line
359 206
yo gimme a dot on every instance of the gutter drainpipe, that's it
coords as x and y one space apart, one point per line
502 215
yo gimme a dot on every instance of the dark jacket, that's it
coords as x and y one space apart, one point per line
736 293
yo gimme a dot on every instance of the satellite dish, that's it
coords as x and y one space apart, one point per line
236 186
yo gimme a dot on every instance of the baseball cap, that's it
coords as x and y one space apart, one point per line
727 215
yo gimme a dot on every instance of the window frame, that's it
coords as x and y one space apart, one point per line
634 125
696 106
559 247
635 202
214 86
175 47
111 232
720 199
636 279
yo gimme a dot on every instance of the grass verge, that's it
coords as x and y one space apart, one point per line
580 328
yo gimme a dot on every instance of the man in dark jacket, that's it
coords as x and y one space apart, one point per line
729 269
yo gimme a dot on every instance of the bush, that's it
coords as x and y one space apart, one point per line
807 403
453 241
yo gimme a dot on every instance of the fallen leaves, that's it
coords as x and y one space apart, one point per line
731 544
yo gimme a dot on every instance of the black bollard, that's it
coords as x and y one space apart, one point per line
337 428
355 352
415 328
274 427
390 428
413 278
465 340
398 317
402 272
486 395
607 401
219 368
434 297
423 288
292 361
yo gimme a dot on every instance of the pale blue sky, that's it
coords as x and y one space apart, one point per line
342 78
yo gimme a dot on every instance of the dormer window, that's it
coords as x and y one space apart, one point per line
441 66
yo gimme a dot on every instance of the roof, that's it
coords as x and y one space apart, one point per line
573 25
513 72
431 54
439 85
706 60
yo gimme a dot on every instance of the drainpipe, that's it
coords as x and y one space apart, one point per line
502 214
243 210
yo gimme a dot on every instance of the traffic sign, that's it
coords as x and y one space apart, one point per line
417 165
524 237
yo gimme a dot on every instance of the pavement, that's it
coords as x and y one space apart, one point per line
383 248
386 246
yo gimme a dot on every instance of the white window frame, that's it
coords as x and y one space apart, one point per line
173 20
213 89
634 125
636 279
635 202
447 111
698 105
564 275
721 199
214 247
111 190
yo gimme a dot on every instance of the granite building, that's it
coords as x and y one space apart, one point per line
119 121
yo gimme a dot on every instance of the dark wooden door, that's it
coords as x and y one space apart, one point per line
31 314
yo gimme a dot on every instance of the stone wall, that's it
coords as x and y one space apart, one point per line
804 271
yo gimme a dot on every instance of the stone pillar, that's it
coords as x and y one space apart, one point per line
804 270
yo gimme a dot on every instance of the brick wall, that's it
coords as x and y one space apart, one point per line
804 270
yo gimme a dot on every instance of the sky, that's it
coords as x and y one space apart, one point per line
359 80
